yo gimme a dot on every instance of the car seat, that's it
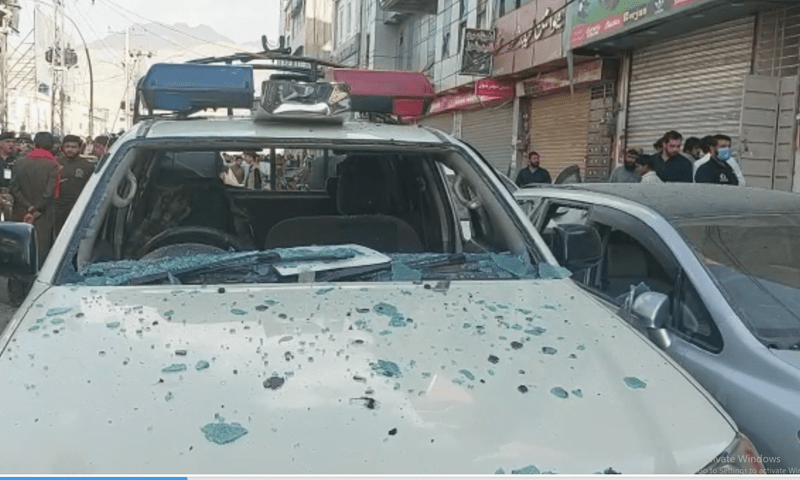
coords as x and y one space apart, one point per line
364 204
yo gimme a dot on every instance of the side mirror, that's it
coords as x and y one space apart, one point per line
18 254
652 308
577 247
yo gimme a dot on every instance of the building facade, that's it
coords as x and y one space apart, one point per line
579 81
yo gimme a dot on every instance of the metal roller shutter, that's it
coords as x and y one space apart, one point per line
692 83
489 130
560 130
443 122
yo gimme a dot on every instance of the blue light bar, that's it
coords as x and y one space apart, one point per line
189 87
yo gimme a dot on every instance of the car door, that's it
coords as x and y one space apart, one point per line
634 254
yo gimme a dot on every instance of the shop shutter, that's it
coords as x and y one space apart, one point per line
489 131
691 83
443 122
560 130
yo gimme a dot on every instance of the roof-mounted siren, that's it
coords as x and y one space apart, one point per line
186 88
398 93
286 99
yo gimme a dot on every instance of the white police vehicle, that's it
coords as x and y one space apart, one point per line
358 325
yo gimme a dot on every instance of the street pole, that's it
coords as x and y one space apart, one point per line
4 72
127 76
91 77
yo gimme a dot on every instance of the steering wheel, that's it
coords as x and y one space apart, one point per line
191 235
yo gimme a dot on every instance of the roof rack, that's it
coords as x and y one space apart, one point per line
158 90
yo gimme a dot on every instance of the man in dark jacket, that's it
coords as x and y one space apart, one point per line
35 186
715 170
677 168
75 172
533 173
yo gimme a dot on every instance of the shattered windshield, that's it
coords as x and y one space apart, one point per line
313 264
370 214
756 261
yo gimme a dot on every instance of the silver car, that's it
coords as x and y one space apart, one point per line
712 275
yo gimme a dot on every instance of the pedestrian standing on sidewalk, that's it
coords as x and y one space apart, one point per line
75 172
725 154
646 168
692 149
533 173
8 148
626 173
35 186
677 168
716 170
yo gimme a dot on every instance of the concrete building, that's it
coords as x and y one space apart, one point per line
307 26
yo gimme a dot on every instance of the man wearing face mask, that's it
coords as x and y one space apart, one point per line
724 152
716 170
723 147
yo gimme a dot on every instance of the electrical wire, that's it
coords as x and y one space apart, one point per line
168 27
142 25
99 37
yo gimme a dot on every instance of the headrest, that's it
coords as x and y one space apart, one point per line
363 187
332 186
626 260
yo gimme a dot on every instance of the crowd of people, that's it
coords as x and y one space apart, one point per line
42 179
253 171
697 160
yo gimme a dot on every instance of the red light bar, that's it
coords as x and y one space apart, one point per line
386 91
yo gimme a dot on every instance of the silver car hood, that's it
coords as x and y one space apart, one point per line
792 357
384 378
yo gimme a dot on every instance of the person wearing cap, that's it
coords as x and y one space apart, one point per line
7 158
626 173
24 145
75 172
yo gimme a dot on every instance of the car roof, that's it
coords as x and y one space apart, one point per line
675 200
246 127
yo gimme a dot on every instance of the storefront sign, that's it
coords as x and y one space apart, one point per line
549 23
596 19
489 87
465 101
476 58
549 82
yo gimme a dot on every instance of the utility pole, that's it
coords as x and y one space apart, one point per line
127 77
58 65
4 21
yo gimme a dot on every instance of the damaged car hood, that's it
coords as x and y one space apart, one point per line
469 377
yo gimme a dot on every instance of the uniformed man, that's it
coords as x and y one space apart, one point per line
8 149
75 172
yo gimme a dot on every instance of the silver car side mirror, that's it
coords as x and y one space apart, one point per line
653 309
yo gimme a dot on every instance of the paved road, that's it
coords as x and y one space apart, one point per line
6 310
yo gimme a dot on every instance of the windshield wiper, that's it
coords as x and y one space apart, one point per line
243 260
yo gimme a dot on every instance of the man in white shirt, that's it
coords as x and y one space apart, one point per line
646 168
723 152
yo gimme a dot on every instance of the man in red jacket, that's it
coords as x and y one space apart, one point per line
35 186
